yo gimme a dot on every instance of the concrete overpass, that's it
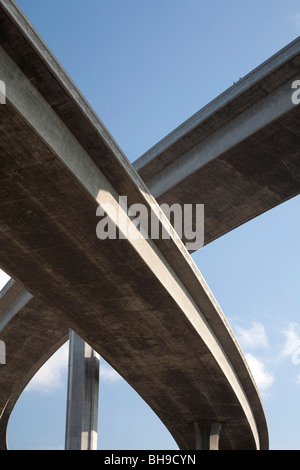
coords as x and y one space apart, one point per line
31 336
58 164
239 155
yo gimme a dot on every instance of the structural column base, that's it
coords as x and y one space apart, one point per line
207 435
83 390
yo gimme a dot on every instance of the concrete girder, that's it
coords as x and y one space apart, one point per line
31 335
49 130
207 435
83 391
239 155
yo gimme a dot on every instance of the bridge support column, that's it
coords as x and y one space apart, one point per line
82 399
207 435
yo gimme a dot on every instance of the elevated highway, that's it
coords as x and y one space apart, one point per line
239 155
31 335
143 306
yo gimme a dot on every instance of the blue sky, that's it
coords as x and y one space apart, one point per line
145 67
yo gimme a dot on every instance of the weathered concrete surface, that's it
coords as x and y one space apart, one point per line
239 155
31 334
143 306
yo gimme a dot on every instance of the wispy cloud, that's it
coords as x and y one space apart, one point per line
108 374
263 378
291 346
51 376
255 338
252 338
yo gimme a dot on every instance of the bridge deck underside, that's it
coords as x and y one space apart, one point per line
246 181
104 291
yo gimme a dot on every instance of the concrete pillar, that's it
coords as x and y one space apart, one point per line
207 435
82 399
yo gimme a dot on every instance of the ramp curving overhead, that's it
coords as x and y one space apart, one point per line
31 335
142 305
240 154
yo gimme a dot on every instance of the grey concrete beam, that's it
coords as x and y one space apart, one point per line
109 300
239 155
18 306
31 334
207 435
83 392
246 92
247 123
80 177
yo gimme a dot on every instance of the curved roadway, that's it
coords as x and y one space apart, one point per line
143 306
31 336
239 155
